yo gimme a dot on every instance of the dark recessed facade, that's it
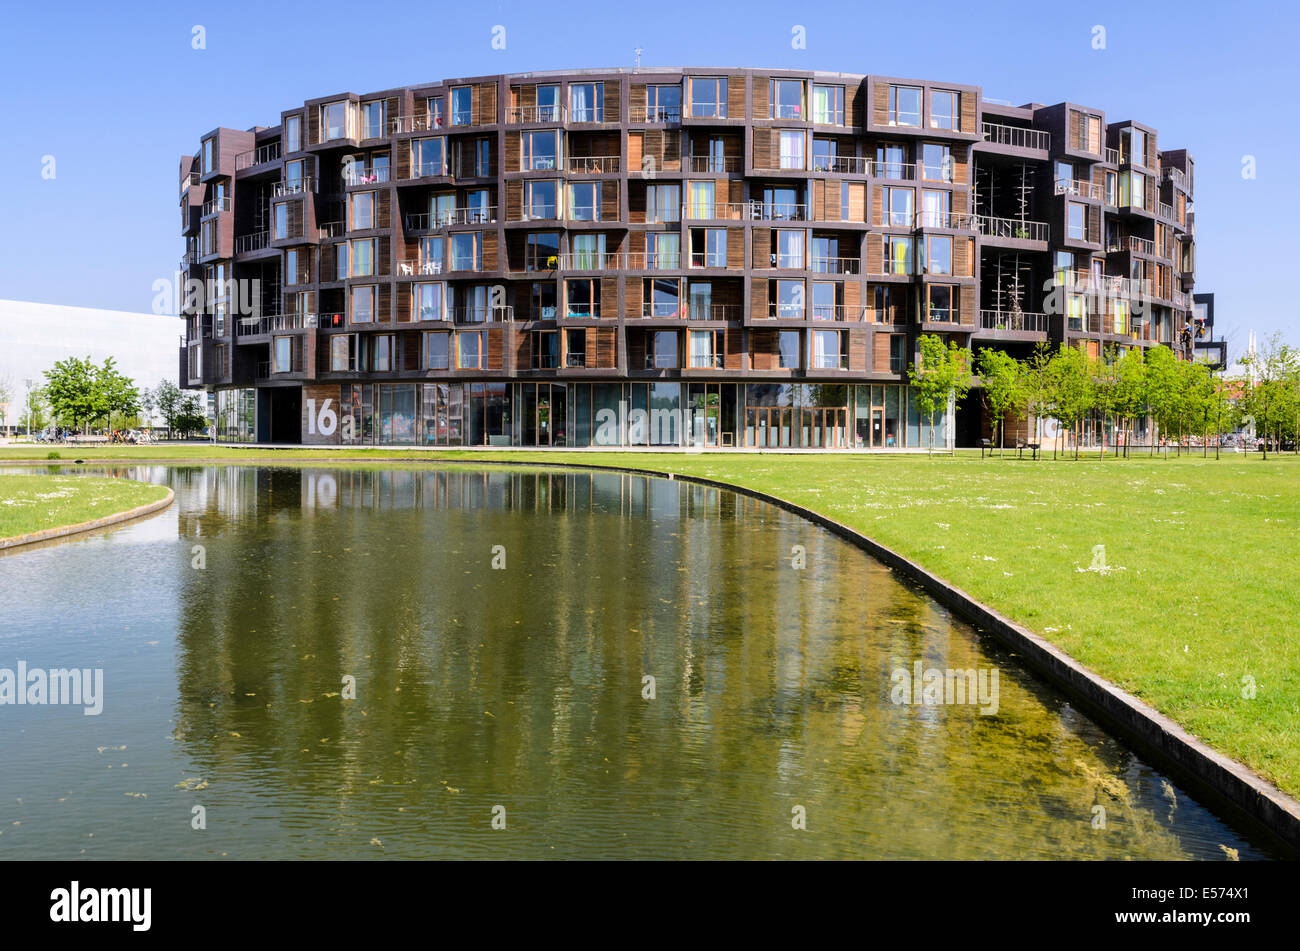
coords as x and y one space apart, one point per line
685 257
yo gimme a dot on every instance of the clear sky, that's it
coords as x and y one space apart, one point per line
116 93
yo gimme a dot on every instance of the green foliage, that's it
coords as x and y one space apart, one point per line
942 373
1071 393
81 392
1003 377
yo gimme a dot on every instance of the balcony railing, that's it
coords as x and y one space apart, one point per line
424 123
673 309
590 261
779 110
662 361
903 171
705 361
1141 245
258 156
714 210
697 311
410 267
842 164
256 241
190 258
1012 228
214 205
821 265
786 311
713 164
305 184
594 164
777 211
658 261
1065 186
708 259
655 114
188 180
828 361
426 170
482 313
518 114
1112 156
425 221
356 175
1182 301
833 312
575 359
1017 137
945 219
1012 320
1165 211
273 323
1174 175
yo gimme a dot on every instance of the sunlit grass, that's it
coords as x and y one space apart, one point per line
31 503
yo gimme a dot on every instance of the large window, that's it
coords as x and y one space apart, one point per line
792 148
936 162
293 133
787 348
789 249
469 348
828 105
663 251
342 352
898 255
786 98
663 103
283 354
361 206
941 303
281 221
708 247
540 150
584 201
427 157
938 254
663 349
1075 228
588 251
936 206
427 302
291 266
824 350
663 297
826 300
541 251
467 251
462 105
363 257
789 302
943 109
373 119
541 200
335 121
700 197
436 351
663 203
898 209
586 102
708 96
582 297
905 105
1133 146
363 304
208 152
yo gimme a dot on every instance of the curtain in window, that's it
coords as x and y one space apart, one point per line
701 199
901 257
822 105
581 104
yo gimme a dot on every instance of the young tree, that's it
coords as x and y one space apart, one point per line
1161 389
942 374
191 417
1071 393
167 399
1130 391
72 391
1003 377
1271 369
1034 384
1105 390
118 393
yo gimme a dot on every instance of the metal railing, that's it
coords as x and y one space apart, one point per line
1165 211
575 359
517 114
305 184
902 171
708 259
1065 186
837 312
189 180
244 243
713 311
422 123
664 309
1112 156
214 205
1013 320
658 260
1175 175
705 361
354 175
828 361
1016 137
411 267
822 265
426 221
662 361
786 311
778 110
715 210
590 261
482 313
777 211
1141 245
842 164
655 114
593 164
258 156
426 170
945 219
712 164
1012 228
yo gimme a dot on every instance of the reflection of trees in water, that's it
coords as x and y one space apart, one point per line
524 685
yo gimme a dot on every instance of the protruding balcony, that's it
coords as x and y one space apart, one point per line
1081 189
1011 229
1016 137
593 164
262 155
297 186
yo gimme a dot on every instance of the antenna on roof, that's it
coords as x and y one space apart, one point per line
638 51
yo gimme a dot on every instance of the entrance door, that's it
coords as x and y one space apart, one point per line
877 427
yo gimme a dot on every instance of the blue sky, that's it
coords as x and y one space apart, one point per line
116 94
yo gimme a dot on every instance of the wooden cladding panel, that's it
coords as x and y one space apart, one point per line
765 349
736 248
968 310
877 200
963 256
734 354
404 296
609 210
852 300
495 348
490 250
875 254
613 95
858 350
735 97
857 201
637 99
880 352
765 149
384 208
761 256
514 201
514 152
632 297
967 110
485 104
602 347
759 99
758 298
523 351
880 105
852 105
1094 223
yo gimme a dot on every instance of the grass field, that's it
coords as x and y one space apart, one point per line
1198 600
30 503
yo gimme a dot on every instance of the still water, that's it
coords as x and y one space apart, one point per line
226 627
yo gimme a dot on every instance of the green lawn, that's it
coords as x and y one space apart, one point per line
32 503
1202 580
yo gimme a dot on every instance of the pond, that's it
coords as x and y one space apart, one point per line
546 663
